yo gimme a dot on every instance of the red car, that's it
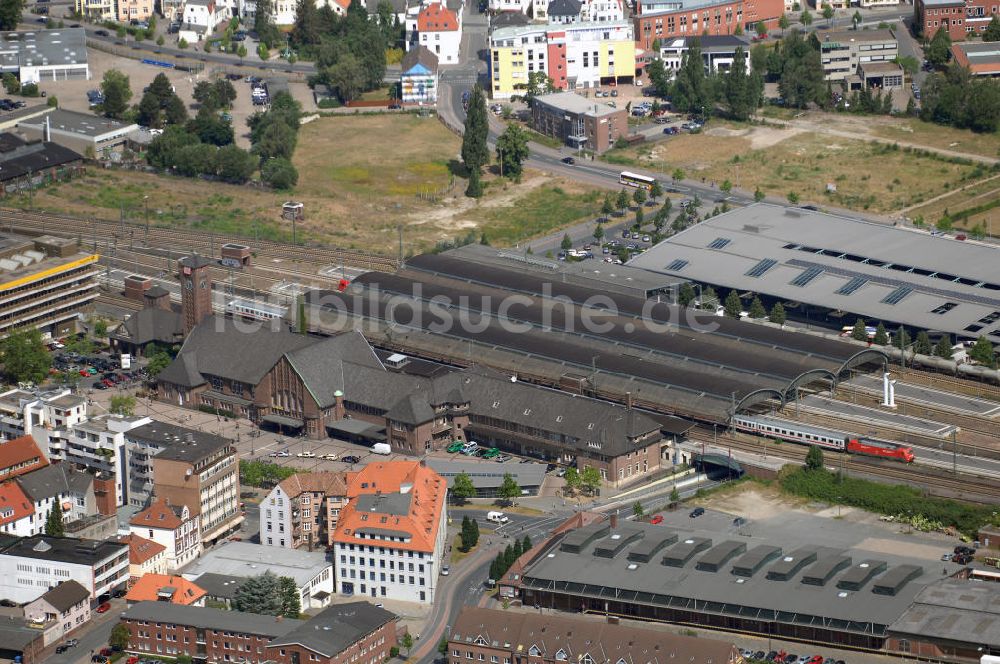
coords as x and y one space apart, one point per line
656 519
84 372
104 607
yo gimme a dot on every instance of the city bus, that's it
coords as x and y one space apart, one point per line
636 180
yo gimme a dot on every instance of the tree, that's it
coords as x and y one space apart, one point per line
656 190
640 219
860 331
598 232
692 90
814 458
54 523
462 489
469 534
757 310
709 299
800 79
161 89
607 207
922 346
260 594
741 92
572 479
760 28
234 164
567 242
347 77
777 315
122 405
10 13
639 196
306 28
538 84
675 495
938 51
992 31
119 637
291 602
211 128
758 195
678 174
175 112
881 335
512 150
475 151
660 77
407 640
526 544
685 295
805 18
475 188
279 173
637 509
828 12
793 197
264 25
24 356
590 479
622 201
856 19
149 111
783 22
943 348
509 489
117 92
733 305
241 52
982 351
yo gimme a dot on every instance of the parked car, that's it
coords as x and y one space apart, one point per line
104 607
658 519
350 458
568 160
101 33
456 447
306 455
280 453
696 512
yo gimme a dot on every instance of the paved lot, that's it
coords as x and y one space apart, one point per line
919 394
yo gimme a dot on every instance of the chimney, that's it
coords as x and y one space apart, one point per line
614 520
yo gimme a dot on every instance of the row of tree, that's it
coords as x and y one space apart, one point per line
739 91
506 559
954 97
349 50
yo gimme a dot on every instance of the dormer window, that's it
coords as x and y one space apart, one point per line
533 651
561 655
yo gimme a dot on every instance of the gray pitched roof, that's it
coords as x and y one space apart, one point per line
152 324
66 595
54 480
219 619
182 371
156 290
195 260
337 628
320 365
509 20
411 409
419 55
236 351
564 8
219 585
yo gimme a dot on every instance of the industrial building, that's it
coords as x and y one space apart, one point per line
45 282
830 269
981 58
45 55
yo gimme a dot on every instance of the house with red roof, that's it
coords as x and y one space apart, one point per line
173 526
19 456
166 588
390 538
436 27
144 556
17 511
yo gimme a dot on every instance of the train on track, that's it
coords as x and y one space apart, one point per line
832 439
254 310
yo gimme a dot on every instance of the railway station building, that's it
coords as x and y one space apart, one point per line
750 584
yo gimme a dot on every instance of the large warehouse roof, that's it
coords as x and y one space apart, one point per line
880 272
733 576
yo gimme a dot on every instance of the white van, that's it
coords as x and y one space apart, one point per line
381 448
497 517
470 447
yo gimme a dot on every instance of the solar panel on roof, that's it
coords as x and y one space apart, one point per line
678 264
897 296
719 243
808 275
760 268
852 285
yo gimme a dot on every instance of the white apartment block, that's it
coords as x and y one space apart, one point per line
599 11
46 416
34 565
100 444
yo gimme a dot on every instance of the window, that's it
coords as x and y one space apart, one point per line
760 268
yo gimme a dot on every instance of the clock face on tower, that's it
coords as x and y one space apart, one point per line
189 284
202 283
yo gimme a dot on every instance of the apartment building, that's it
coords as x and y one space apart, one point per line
60 611
437 28
958 17
45 415
390 538
71 489
17 513
45 282
575 55
100 445
31 566
134 10
174 528
662 19
578 122
844 51
193 468
20 456
97 10
357 632
302 511
144 556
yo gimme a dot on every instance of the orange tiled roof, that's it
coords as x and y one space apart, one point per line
159 514
326 482
436 18
19 456
428 491
140 549
14 504
149 586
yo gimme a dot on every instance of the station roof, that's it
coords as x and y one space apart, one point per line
953 610
880 272
691 570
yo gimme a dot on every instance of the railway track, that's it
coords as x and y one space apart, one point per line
37 223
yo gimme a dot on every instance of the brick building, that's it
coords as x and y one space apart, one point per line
578 122
491 635
958 17
303 510
358 632
659 19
